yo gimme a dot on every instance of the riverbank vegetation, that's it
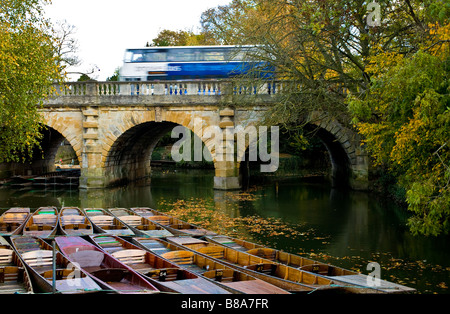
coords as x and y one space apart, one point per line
382 68
28 66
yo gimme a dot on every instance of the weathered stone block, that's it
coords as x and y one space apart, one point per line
226 112
227 183
91 124
226 124
90 136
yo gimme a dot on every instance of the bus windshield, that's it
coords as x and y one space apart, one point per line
144 55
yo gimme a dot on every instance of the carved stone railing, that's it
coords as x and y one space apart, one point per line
168 88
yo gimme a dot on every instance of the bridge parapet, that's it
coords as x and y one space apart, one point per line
159 94
166 88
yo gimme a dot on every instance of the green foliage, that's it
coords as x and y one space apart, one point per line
178 38
115 76
392 78
28 67
323 48
84 78
405 120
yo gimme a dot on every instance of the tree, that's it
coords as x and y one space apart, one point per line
222 24
405 121
84 78
115 76
28 67
322 47
388 80
178 38
66 44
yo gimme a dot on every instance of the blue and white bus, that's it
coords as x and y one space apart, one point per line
184 63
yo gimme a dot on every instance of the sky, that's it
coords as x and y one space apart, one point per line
105 28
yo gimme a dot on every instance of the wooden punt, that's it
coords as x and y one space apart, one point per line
141 226
163 274
105 269
285 277
340 276
74 222
221 274
13 220
42 223
37 256
176 226
105 222
279 256
14 277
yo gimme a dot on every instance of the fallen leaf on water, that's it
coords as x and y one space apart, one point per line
442 285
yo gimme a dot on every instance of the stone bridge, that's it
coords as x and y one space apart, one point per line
113 128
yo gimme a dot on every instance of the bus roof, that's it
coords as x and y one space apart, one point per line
191 47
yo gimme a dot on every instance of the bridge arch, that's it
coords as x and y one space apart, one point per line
71 132
349 161
127 156
43 159
339 157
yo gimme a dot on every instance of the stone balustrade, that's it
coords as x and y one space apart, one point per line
165 88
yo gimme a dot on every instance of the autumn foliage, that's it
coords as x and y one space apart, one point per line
405 120
28 67
387 80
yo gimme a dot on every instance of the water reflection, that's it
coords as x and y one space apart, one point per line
342 227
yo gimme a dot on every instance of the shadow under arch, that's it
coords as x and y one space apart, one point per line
340 161
129 158
42 160
340 173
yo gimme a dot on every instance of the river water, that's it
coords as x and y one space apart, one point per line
345 228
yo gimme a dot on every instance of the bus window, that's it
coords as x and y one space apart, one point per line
214 55
183 55
137 57
155 56
128 56
237 55
145 56
134 56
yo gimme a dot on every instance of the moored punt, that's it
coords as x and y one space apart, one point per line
117 211
279 256
285 277
74 222
227 277
340 276
105 269
14 277
142 211
13 220
141 226
42 223
105 222
37 256
163 274
174 225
